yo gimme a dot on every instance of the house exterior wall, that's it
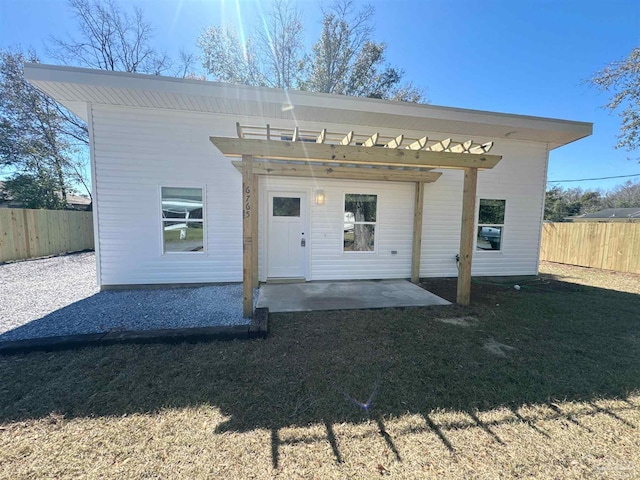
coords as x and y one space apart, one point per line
325 247
138 150
520 179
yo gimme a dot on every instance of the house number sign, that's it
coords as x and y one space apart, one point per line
247 202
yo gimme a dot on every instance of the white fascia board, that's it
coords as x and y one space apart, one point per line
39 73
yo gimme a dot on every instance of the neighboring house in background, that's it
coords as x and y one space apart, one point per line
75 202
609 215
169 206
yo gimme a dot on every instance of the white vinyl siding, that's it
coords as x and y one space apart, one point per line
520 179
138 150
327 260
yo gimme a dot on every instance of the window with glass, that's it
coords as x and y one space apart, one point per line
490 224
360 217
182 220
286 206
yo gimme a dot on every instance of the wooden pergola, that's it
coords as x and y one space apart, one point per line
323 154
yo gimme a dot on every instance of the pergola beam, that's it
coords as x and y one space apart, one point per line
318 152
346 173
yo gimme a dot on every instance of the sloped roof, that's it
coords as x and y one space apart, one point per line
614 213
75 87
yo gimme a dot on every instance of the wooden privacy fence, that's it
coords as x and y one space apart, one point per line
610 246
37 233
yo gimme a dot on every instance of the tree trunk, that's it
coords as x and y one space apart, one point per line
361 232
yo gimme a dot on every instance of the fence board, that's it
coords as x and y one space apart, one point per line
609 246
28 233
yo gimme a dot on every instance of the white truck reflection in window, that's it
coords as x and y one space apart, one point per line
349 218
489 238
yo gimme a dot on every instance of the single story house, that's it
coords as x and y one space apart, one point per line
198 182
74 202
609 215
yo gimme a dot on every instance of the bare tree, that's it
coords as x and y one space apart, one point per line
280 44
626 195
110 39
42 141
37 139
623 79
186 65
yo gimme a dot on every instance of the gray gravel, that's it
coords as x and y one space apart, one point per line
58 296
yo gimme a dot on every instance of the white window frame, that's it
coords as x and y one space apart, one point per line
501 225
375 224
200 220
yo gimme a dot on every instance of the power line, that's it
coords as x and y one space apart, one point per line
588 179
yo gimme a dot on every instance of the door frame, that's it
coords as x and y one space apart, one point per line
268 191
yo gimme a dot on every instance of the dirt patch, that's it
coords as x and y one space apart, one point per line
489 291
496 348
594 277
447 289
459 321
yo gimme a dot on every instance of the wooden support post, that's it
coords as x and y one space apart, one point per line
256 231
248 212
417 233
467 233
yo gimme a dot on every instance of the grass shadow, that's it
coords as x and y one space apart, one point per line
572 343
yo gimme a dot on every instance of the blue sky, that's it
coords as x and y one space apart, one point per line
529 57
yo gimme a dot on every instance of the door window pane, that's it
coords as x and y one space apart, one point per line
286 206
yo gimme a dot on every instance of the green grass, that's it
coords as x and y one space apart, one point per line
173 236
565 401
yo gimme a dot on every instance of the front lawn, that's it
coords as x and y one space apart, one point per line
541 382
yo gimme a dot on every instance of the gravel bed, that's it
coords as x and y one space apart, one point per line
58 296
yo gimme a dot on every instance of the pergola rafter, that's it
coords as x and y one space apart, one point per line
350 154
368 140
325 154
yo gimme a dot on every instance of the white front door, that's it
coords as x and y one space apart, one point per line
287 241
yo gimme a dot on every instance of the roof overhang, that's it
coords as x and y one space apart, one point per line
75 87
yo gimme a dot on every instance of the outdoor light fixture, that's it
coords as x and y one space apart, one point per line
319 197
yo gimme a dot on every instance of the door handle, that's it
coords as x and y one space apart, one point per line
303 243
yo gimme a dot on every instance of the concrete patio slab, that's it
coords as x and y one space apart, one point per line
304 297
